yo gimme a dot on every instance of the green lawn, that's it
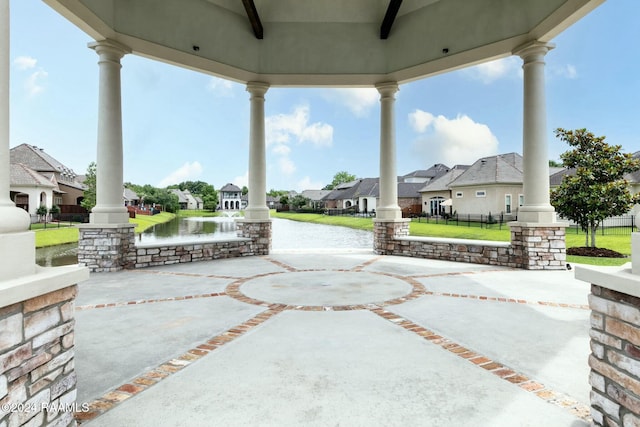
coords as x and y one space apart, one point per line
619 243
198 213
60 236
56 236
144 222
345 221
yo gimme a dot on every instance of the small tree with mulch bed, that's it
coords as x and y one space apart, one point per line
598 189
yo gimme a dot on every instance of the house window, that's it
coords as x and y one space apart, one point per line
481 193
458 194
507 203
520 199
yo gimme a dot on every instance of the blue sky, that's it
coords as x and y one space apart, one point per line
183 125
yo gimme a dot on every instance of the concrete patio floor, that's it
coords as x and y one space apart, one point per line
343 338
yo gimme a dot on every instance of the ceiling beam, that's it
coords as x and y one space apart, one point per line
389 17
252 14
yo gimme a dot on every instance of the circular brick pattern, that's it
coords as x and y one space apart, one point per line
325 289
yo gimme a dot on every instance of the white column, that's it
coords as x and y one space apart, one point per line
388 208
17 244
537 207
109 207
257 209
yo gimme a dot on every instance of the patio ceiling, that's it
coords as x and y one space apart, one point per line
328 42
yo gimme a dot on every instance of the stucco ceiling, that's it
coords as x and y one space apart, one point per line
323 42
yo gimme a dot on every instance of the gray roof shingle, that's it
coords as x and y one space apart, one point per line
22 175
500 169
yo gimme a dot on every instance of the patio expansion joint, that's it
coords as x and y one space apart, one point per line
153 376
541 391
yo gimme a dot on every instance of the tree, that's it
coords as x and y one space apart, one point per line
598 189
339 178
298 201
555 164
245 190
89 200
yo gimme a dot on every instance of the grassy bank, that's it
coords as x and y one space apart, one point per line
198 213
144 222
345 221
618 243
60 236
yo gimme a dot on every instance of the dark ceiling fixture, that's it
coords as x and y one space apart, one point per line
252 14
389 17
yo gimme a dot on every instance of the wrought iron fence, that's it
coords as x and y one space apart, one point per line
488 220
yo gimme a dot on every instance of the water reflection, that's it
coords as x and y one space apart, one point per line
55 256
181 229
287 235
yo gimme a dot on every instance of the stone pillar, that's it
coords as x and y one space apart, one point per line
106 243
256 224
615 345
37 374
538 240
109 207
388 223
388 208
257 208
537 207
17 244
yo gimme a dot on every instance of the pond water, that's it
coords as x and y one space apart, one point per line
287 235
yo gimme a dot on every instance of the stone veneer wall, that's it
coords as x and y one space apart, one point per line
254 239
615 357
104 248
37 376
258 232
541 248
163 254
533 248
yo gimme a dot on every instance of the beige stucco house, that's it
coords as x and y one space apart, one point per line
68 192
492 185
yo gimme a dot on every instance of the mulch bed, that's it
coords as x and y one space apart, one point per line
595 252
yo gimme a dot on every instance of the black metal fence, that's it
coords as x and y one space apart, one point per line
490 220
57 220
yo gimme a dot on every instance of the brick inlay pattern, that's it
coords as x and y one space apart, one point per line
151 377
155 375
540 390
148 301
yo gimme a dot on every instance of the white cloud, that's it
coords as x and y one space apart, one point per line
283 129
242 180
186 172
25 62
566 71
420 120
221 87
359 101
451 141
491 71
286 165
307 184
33 83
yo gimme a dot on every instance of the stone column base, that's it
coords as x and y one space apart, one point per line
385 233
107 247
260 234
539 246
37 373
